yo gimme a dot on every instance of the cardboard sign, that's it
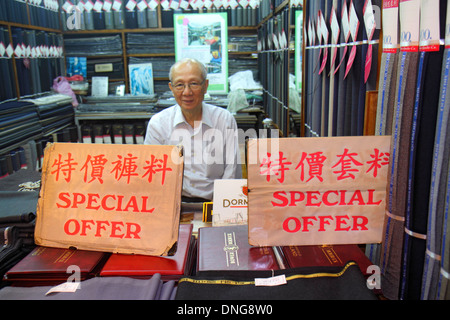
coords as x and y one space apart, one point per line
111 198
315 191
230 202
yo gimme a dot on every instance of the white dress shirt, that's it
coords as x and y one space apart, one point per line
211 149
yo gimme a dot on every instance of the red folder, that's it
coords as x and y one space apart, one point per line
48 266
142 266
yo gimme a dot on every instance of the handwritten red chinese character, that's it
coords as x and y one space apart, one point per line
125 167
346 164
96 163
276 166
64 166
315 162
156 165
379 159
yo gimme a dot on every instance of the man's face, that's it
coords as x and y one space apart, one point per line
189 98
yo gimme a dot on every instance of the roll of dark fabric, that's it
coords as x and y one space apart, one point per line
420 172
420 163
313 283
385 107
358 97
438 187
392 243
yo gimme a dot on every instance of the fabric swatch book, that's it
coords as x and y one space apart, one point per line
226 248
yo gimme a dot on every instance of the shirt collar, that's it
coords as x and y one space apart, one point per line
206 116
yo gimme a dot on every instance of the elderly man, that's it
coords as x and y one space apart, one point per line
208 133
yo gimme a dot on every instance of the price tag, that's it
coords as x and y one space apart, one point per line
67 6
80 6
88 6
322 31
353 24
117 5
369 23
165 4
2 49
153 4
234 4
334 25
353 21
344 22
369 19
270 282
309 31
98 6
9 50
184 4
390 26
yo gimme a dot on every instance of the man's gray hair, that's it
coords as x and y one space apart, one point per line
192 61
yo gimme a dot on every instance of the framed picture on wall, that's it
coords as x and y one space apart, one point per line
141 79
204 36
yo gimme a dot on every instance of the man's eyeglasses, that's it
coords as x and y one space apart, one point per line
194 86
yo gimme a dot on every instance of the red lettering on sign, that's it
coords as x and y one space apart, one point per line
362 225
125 167
64 166
328 198
111 229
379 159
324 220
297 225
109 202
95 166
325 198
346 163
325 223
340 221
277 165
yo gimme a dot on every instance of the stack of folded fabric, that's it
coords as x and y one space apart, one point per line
19 120
149 43
54 111
93 46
